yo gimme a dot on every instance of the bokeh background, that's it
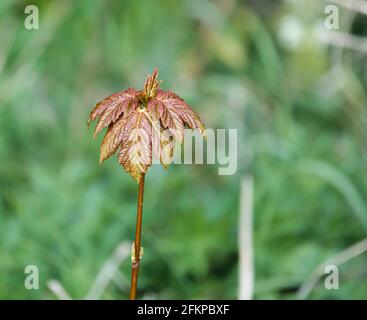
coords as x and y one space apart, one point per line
295 91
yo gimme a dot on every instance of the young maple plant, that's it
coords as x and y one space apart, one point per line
143 124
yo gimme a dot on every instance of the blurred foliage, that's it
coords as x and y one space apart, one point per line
258 66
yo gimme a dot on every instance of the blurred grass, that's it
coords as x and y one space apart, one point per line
300 114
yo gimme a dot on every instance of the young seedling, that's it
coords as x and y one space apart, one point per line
144 124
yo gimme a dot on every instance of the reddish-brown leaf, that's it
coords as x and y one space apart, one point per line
136 151
151 85
143 124
112 107
113 139
174 114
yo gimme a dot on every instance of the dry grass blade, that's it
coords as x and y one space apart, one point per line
342 257
246 267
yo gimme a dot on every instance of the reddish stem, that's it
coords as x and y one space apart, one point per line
139 219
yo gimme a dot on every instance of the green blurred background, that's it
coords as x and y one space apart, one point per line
297 99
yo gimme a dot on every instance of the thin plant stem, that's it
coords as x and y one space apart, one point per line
136 255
